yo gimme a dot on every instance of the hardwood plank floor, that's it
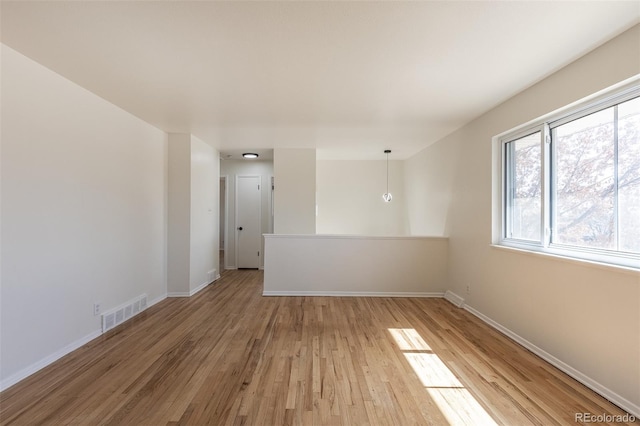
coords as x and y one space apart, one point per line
229 356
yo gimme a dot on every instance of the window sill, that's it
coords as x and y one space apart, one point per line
568 259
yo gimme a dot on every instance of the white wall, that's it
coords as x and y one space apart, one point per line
586 316
179 213
429 182
349 197
83 213
295 191
193 214
231 169
354 265
205 187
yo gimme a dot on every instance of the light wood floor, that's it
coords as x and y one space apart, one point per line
230 356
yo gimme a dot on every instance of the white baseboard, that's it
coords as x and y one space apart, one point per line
605 392
156 300
39 365
454 298
351 294
189 293
199 288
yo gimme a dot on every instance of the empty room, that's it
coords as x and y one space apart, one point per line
319 212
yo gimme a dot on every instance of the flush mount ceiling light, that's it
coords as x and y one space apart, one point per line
249 155
387 195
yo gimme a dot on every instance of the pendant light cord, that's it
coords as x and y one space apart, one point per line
387 195
387 172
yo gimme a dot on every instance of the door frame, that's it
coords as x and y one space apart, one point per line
272 187
235 228
225 247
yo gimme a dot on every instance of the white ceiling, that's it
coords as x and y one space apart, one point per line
347 78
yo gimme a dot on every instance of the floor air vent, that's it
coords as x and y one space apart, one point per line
122 313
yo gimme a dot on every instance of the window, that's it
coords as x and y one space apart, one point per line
571 185
524 186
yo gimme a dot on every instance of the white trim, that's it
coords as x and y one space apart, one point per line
605 392
352 294
189 293
155 301
225 247
610 98
44 362
568 259
355 237
178 294
606 98
272 190
39 365
580 104
454 298
199 288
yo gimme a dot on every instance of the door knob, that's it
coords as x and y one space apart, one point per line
239 228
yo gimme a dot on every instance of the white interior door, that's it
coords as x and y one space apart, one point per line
248 221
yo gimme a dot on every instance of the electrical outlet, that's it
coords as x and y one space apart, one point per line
468 288
96 309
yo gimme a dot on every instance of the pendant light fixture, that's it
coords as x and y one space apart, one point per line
387 195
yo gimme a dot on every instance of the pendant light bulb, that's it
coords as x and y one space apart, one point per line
387 197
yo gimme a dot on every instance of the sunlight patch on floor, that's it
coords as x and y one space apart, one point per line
408 339
455 402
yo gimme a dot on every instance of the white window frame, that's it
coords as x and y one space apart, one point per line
507 187
544 126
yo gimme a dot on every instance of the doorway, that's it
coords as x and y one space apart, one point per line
248 221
